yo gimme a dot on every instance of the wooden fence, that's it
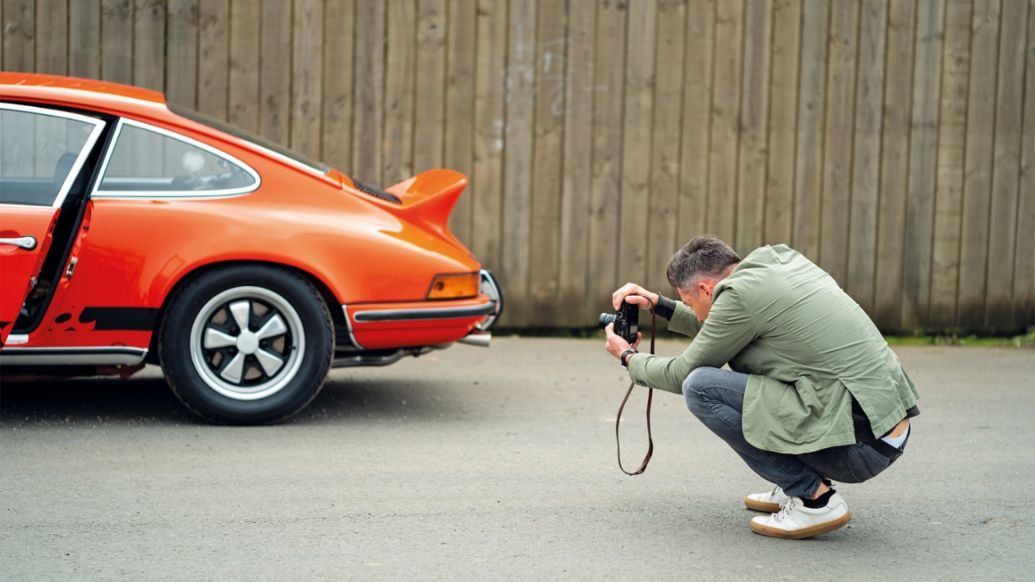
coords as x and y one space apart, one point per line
891 141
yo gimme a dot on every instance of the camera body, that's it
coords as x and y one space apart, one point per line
626 320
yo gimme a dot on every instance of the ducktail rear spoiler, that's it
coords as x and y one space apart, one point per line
429 197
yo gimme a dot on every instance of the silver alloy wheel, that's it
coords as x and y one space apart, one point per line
247 343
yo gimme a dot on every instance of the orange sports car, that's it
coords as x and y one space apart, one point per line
135 233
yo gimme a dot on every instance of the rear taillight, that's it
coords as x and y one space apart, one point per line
456 286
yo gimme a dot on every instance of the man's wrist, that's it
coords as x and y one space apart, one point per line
624 358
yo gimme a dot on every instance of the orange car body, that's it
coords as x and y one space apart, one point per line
369 256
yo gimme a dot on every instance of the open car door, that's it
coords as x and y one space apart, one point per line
41 153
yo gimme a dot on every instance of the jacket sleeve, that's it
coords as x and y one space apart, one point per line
726 331
683 320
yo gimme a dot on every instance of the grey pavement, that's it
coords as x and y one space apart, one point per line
497 464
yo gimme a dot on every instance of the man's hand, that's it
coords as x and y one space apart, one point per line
633 293
616 344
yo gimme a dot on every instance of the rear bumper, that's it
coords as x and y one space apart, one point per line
422 313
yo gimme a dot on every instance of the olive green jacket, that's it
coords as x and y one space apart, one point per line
808 347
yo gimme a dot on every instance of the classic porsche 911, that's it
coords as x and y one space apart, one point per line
132 233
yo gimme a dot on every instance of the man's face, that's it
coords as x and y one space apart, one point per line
698 296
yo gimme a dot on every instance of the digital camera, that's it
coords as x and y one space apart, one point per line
626 320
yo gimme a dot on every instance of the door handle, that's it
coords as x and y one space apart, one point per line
26 242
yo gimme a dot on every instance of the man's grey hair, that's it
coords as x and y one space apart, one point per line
704 256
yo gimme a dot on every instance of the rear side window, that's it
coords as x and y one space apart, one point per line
38 151
151 162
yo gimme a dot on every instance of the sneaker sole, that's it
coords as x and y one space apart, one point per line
807 532
763 506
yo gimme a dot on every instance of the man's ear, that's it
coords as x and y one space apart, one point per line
706 286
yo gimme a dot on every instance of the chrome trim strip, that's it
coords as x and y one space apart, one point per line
425 313
145 195
93 356
98 126
348 326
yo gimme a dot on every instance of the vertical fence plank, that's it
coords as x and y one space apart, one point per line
665 151
754 118
607 151
952 135
487 186
149 44
517 161
869 99
977 183
1024 260
430 84
1009 118
243 107
181 70
116 30
52 25
808 163
725 123
636 141
275 72
19 30
783 121
459 124
306 69
368 98
898 93
578 161
213 57
696 127
401 54
923 150
339 17
84 38
837 161
546 162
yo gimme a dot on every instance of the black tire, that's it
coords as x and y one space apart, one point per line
231 382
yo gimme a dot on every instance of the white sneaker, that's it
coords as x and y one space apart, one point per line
796 521
770 502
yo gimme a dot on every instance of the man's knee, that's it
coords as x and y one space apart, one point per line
697 383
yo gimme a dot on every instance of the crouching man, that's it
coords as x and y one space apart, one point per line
815 395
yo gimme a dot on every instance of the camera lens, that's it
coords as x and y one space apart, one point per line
605 318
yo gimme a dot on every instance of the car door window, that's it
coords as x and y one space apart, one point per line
150 162
38 151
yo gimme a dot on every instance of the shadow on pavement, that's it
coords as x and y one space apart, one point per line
149 400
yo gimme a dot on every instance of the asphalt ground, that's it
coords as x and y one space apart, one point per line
494 464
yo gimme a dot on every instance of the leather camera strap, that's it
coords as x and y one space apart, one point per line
650 397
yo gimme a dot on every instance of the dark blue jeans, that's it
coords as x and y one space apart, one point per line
716 397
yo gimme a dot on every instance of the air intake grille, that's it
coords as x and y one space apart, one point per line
376 192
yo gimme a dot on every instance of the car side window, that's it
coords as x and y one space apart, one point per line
150 162
37 153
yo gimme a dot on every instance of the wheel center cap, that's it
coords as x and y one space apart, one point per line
247 343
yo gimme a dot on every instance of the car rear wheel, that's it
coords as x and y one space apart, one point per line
246 345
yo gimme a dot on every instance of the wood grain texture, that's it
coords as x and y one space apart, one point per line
923 165
838 139
368 93
866 154
487 188
783 121
149 44
1024 258
977 169
894 180
275 72
754 118
429 117
51 24
243 65
808 161
400 73
181 69
84 38
696 127
636 141
1006 168
19 30
306 77
338 63
116 41
213 57
578 162
547 161
665 151
725 123
459 123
